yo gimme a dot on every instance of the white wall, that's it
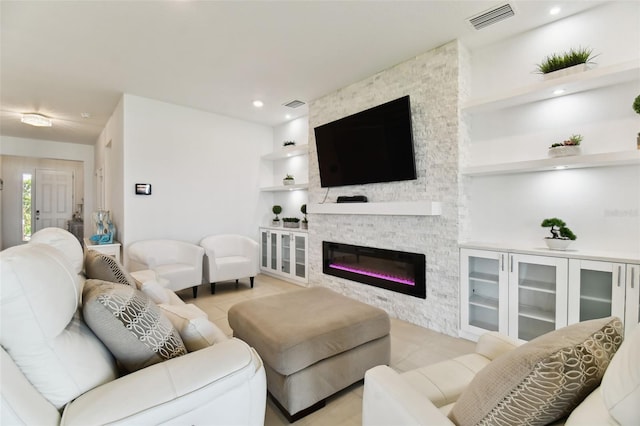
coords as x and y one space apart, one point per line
33 148
601 205
204 170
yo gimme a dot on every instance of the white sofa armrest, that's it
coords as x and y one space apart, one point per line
179 389
388 399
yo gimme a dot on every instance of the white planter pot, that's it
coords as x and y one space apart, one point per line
566 71
288 181
557 244
291 224
564 151
275 223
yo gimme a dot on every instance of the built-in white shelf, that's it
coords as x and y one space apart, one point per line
396 208
286 152
621 158
283 188
573 83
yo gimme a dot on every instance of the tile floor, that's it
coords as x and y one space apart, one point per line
411 346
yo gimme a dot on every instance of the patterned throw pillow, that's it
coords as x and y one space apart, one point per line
543 380
100 266
130 325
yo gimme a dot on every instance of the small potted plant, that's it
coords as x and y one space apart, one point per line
288 180
636 108
291 222
561 236
570 146
572 61
305 222
288 143
276 210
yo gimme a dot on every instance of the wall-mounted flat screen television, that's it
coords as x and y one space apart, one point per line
371 146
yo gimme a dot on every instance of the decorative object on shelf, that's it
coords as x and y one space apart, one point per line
561 236
104 228
569 147
558 65
636 108
305 222
291 222
288 143
276 210
288 180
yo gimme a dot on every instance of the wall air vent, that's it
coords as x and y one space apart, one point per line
492 16
294 104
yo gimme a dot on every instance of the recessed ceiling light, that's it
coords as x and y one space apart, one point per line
558 91
561 167
37 120
554 10
258 104
288 116
85 115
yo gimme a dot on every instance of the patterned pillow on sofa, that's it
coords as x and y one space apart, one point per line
129 324
543 380
100 266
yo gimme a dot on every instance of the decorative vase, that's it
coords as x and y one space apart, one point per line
288 181
557 243
304 225
564 151
565 71
275 223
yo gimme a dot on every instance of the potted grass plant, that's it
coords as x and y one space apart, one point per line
560 64
636 108
288 180
291 222
561 236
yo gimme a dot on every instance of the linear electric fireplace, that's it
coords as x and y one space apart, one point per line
398 271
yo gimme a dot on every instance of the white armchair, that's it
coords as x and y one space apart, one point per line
179 262
230 257
56 371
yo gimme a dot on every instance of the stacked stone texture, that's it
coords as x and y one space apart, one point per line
432 82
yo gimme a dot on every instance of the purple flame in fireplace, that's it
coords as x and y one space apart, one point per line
372 274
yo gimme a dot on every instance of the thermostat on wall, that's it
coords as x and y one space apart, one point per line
143 188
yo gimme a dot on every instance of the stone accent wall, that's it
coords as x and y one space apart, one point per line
432 81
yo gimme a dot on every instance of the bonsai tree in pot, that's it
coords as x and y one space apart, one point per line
276 210
561 236
305 222
288 180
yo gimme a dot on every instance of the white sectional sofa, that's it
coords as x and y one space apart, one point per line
55 370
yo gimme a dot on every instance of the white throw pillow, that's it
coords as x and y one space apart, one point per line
195 329
621 382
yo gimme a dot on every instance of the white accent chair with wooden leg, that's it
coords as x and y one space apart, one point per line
230 257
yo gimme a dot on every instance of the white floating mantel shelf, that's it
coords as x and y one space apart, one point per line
395 208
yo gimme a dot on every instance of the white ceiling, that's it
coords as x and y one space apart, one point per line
63 58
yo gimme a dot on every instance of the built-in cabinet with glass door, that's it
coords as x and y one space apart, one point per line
526 295
283 253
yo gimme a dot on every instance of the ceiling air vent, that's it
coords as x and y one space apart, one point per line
492 16
294 104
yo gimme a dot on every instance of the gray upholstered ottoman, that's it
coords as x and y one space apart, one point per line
313 342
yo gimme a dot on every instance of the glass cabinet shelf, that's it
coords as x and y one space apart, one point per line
536 313
483 302
539 286
487 278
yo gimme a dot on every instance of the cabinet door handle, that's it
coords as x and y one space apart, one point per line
619 275
502 262
633 276
511 263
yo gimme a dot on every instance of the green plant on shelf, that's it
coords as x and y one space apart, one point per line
303 209
291 219
574 140
288 143
276 210
558 61
559 230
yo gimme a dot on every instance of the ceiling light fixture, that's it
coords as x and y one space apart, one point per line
554 10
36 120
258 104
561 167
558 91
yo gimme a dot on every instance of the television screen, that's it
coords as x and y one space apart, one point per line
375 145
